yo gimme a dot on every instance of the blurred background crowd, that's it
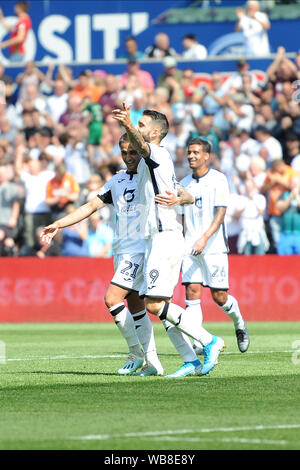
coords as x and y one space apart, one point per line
59 145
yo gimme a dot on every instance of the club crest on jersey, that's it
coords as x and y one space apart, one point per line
198 202
128 195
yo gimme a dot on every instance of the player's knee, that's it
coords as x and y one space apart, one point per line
2 235
153 306
220 297
193 291
110 300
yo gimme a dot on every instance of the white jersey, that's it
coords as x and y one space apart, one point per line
156 176
121 191
210 191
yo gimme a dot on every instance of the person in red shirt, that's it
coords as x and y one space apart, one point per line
18 32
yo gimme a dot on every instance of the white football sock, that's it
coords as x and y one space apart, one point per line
186 323
180 341
193 307
231 308
144 331
124 321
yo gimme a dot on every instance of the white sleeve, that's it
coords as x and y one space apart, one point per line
158 154
105 192
222 193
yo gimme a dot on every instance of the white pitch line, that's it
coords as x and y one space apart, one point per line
53 358
220 439
116 356
162 434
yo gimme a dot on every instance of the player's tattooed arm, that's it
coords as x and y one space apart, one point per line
218 220
135 137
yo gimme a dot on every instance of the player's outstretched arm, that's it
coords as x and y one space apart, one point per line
135 137
78 215
170 199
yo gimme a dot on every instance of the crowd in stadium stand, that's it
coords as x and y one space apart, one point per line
59 144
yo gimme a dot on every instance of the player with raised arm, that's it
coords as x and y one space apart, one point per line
163 234
206 260
128 246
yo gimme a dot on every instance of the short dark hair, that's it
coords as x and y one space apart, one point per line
160 119
206 146
130 38
190 36
123 138
23 5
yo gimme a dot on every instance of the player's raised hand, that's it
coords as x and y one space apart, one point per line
48 233
122 115
168 199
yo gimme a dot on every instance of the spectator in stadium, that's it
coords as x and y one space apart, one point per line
270 148
18 32
100 237
234 82
292 151
177 137
171 79
9 213
72 114
143 78
239 112
73 237
85 87
187 109
278 180
108 100
266 117
161 47
61 190
204 128
33 100
34 179
257 171
76 156
57 104
252 238
31 76
254 25
193 50
249 146
288 206
132 51
7 132
281 70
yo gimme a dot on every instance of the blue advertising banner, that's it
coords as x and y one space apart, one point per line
82 31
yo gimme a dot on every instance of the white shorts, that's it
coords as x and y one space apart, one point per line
210 270
163 258
128 271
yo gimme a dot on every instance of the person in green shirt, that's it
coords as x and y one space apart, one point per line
289 207
92 113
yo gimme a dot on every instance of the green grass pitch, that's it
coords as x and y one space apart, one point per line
59 389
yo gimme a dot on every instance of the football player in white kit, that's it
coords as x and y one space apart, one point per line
163 236
206 260
128 247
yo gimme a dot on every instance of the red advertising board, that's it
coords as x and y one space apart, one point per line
72 289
